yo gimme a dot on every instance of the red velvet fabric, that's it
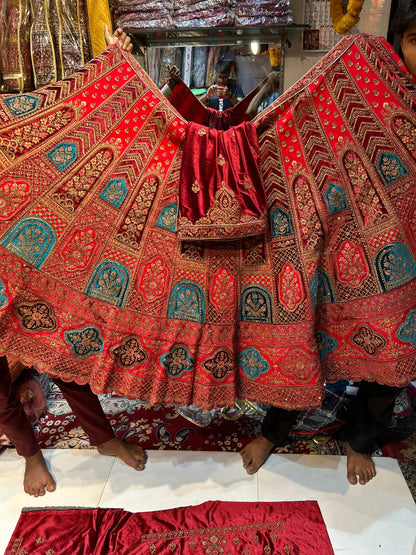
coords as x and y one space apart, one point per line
212 528
221 195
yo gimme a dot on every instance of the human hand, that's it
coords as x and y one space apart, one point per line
212 91
223 92
174 73
118 37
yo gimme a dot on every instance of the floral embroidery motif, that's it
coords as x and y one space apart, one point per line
256 305
187 302
311 229
13 195
253 363
407 331
291 292
406 132
78 251
114 192
395 266
63 155
220 364
84 342
22 104
335 198
280 223
31 239
129 353
154 278
220 160
223 290
109 283
4 299
391 167
300 365
352 267
167 217
35 317
196 187
177 361
368 340
326 344
247 184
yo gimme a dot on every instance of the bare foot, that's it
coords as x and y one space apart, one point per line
37 480
132 455
256 453
359 464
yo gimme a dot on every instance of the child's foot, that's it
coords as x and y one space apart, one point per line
256 453
359 464
37 480
132 455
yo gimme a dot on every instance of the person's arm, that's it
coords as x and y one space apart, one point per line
270 86
118 37
175 77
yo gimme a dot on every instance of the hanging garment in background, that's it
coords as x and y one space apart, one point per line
96 286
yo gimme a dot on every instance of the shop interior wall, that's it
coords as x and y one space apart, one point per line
374 20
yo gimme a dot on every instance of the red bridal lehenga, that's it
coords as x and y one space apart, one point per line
98 283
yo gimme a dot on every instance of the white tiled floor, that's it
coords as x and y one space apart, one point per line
379 518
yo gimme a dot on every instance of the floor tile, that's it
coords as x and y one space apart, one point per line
174 479
379 517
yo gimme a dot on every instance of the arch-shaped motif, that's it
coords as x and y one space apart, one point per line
321 290
335 198
406 332
280 223
394 265
62 155
391 167
256 305
187 302
167 217
110 282
31 239
21 104
114 192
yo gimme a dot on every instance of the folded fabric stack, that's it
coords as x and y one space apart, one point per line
145 14
262 12
203 13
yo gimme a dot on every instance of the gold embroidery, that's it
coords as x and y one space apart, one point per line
221 160
287 549
247 184
202 132
40 540
196 186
